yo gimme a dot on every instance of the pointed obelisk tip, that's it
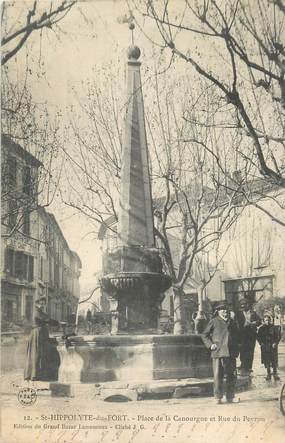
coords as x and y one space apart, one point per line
134 52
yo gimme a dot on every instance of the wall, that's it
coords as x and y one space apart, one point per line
37 261
253 250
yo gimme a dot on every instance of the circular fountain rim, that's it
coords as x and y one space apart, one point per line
163 281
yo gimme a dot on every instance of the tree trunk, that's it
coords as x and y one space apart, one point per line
200 320
179 325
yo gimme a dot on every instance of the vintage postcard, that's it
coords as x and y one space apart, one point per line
142 221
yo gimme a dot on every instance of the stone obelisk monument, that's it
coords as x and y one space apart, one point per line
134 283
135 213
133 277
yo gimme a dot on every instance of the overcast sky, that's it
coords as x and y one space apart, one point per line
90 36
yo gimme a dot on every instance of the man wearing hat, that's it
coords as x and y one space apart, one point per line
221 336
248 321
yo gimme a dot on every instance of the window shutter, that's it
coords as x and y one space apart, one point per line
26 224
9 261
25 266
12 171
27 180
19 271
31 268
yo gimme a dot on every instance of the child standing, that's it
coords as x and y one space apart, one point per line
268 337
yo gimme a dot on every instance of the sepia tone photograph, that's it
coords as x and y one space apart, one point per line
142 221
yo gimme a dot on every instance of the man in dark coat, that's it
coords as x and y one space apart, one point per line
248 322
268 337
37 366
221 336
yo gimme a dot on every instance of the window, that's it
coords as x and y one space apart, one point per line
9 261
27 180
19 265
21 262
9 310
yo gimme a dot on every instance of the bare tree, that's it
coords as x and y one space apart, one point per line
250 243
27 126
236 168
237 47
32 128
26 185
191 210
32 16
93 161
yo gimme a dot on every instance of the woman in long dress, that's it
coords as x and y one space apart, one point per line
37 349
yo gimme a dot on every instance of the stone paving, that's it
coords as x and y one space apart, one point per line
195 420
256 418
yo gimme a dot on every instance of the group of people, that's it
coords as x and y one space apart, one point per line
230 335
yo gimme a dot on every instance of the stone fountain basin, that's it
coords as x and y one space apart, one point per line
125 358
155 281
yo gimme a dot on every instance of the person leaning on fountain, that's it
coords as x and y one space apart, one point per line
36 367
221 336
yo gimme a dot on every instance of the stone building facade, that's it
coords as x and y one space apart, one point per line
36 259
